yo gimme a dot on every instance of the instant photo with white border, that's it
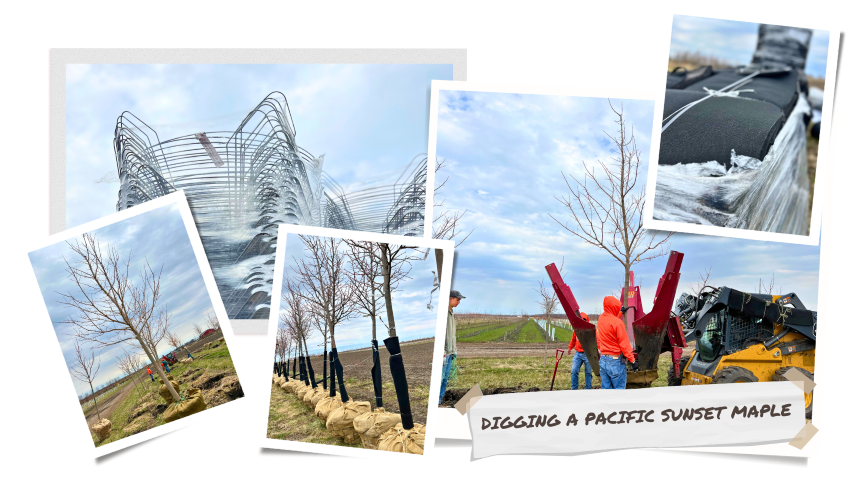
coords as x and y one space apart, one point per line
438 354
821 173
447 422
60 376
62 58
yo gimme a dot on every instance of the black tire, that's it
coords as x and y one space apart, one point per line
779 376
671 379
734 375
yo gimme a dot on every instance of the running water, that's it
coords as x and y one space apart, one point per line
770 195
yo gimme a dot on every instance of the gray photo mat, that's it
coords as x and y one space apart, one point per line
60 57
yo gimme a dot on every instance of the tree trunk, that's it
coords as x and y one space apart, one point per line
95 399
386 283
439 260
157 368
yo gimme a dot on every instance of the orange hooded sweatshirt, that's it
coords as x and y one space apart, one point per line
575 343
612 337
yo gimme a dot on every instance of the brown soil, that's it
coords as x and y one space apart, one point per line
109 405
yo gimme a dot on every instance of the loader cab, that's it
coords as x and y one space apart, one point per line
727 333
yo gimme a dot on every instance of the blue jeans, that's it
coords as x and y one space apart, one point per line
614 375
579 360
167 368
445 375
152 376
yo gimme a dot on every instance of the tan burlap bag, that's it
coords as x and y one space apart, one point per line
192 403
291 386
230 385
325 406
371 425
102 429
164 391
301 391
340 420
169 376
398 439
319 394
306 399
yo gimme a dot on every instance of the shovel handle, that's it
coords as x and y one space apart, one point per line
559 353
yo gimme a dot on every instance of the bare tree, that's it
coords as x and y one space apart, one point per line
548 303
198 330
768 287
212 321
394 261
85 369
445 225
173 340
112 309
155 330
607 206
704 281
129 364
298 318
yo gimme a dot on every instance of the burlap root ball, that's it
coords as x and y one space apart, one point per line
102 429
371 425
166 394
340 421
325 406
306 398
230 386
319 394
398 439
301 391
192 403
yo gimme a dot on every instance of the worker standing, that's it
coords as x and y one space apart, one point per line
165 366
149 373
614 347
189 355
580 360
449 343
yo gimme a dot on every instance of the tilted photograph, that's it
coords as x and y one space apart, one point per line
559 284
355 343
134 319
741 125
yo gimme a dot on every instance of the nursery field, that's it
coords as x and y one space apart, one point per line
291 419
137 405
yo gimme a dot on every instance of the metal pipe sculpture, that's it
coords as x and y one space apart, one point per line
241 184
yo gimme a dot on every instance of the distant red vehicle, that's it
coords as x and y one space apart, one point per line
207 332
169 358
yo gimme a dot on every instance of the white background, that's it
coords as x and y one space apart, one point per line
561 44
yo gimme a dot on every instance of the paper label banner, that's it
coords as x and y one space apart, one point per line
587 421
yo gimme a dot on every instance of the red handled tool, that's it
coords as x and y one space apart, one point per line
559 355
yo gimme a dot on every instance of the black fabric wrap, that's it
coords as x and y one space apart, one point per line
303 371
332 387
711 129
284 369
376 373
398 373
294 368
325 372
339 369
674 78
780 89
756 307
310 372
675 99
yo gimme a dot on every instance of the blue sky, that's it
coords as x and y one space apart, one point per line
369 120
735 41
158 236
411 316
504 157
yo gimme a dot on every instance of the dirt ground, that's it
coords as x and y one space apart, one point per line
107 408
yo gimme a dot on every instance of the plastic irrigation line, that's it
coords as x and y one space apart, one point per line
401 385
767 193
339 369
376 374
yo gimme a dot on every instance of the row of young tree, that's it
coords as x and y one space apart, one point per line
336 281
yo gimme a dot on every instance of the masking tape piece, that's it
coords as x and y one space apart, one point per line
469 399
804 436
795 375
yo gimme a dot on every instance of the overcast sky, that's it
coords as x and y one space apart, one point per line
158 236
504 157
735 42
411 316
369 120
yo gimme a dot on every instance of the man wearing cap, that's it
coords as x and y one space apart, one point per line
613 347
580 360
449 342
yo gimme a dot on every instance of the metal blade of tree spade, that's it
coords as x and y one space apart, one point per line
376 373
339 369
398 373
